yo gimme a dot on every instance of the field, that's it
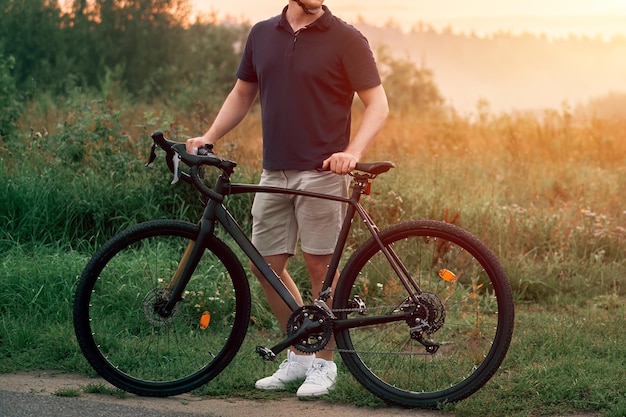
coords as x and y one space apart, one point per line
544 191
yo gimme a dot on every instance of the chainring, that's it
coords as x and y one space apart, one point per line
316 340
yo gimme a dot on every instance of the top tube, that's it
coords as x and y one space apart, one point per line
177 150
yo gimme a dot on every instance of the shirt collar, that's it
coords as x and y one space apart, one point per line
323 23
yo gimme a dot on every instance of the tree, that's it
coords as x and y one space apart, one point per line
148 48
409 88
136 39
10 107
29 31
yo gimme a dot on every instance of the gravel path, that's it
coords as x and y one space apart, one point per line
32 394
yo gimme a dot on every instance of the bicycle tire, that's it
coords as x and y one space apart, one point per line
476 315
123 337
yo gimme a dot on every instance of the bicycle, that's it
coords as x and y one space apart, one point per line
422 312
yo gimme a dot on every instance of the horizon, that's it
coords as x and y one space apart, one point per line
463 82
557 18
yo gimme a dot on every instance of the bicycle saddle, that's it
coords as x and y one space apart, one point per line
375 168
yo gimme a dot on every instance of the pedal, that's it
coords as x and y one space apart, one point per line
266 353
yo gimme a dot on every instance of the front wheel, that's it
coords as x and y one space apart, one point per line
116 310
450 336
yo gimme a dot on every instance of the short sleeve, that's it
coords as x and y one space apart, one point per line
246 71
360 65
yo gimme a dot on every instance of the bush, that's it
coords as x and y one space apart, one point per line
10 100
84 180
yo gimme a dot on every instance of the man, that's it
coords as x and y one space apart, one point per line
306 65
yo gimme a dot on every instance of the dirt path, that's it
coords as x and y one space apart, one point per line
49 383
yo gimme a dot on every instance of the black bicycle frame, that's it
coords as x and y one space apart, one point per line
216 212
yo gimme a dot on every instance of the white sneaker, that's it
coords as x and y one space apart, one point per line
293 368
320 379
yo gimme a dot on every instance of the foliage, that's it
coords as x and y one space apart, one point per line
544 191
10 103
609 106
134 44
408 87
30 31
82 180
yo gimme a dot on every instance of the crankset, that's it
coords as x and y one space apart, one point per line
315 326
309 329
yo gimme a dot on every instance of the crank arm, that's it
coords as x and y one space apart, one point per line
307 328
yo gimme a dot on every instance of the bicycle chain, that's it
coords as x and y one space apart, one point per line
373 352
356 310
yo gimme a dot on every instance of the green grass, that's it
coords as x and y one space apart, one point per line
103 389
545 193
563 359
36 293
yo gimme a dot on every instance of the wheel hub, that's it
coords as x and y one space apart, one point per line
152 304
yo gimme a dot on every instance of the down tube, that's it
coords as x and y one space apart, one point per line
234 230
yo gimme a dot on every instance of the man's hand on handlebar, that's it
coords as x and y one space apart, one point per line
192 145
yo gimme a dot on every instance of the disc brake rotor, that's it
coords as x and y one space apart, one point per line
151 305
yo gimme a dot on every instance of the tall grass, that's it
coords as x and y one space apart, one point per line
545 192
36 291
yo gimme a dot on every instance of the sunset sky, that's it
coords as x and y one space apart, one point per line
568 77
604 17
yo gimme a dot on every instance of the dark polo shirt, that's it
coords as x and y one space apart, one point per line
306 82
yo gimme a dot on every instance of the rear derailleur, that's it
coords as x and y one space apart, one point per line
427 317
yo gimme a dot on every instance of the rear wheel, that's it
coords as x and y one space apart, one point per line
457 332
116 306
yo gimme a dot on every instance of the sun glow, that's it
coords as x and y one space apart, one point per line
555 17
506 79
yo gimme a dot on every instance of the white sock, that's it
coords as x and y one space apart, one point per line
325 361
306 360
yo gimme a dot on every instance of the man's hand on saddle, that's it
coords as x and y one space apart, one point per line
340 162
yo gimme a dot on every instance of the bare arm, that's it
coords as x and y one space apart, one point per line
234 109
374 116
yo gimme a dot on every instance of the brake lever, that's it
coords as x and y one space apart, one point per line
175 162
204 151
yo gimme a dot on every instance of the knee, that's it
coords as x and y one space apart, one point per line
317 267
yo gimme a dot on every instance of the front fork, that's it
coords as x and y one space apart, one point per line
187 265
179 270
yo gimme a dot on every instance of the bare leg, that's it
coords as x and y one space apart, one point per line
280 310
317 266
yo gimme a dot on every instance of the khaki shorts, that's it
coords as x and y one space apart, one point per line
279 220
